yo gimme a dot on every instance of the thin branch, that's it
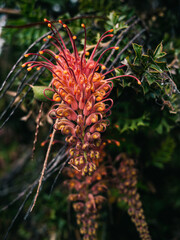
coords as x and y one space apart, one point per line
64 20
44 166
10 11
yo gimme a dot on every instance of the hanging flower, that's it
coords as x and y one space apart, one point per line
80 96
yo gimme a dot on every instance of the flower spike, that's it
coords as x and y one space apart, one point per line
80 96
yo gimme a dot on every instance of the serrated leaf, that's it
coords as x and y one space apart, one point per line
156 67
134 124
162 54
39 93
158 53
138 51
135 68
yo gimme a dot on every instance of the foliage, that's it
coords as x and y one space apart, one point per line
144 123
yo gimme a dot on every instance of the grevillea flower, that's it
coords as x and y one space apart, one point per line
87 195
80 96
127 186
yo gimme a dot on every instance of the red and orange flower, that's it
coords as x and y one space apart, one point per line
80 94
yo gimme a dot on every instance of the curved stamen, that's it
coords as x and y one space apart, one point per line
59 49
73 74
66 61
114 69
122 76
57 32
42 65
39 55
83 25
116 48
53 55
47 89
36 62
84 51
101 38
71 39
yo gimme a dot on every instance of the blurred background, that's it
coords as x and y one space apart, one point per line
149 130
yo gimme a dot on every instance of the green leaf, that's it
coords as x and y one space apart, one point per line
138 51
156 67
134 124
158 53
39 93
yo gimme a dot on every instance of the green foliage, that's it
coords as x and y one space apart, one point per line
39 93
164 153
132 124
115 21
30 13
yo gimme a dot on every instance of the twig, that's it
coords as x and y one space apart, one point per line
64 20
10 11
44 166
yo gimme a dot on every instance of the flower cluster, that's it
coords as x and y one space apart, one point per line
80 96
128 189
86 197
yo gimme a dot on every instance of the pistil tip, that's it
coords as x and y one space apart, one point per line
111 30
49 36
45 20
87 53
49 25
83 25
103 67
26 55
116 48
41 52
29 68
74 37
